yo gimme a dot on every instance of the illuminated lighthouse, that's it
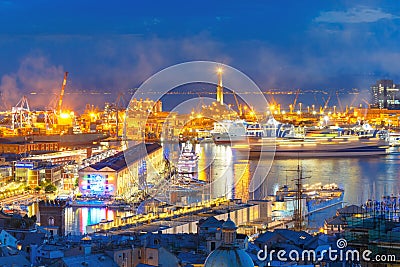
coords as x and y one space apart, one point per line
220 89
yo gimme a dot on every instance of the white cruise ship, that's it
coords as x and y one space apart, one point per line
342 146
241 131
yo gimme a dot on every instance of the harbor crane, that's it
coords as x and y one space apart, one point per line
119 105
239 106
295 99
322 109
293 106
339 102
21 114
62 92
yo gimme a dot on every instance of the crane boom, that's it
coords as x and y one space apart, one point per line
339 102
295 99
62 92
239 107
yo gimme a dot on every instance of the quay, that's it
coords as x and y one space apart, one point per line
184 220
250 217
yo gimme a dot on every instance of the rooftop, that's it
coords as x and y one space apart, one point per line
352 209
97 260
119 161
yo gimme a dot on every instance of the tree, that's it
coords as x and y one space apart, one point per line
50 188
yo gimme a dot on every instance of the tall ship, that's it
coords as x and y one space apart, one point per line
313 198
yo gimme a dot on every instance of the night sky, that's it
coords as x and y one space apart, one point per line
116 45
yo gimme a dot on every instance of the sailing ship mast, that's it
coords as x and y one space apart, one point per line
298 211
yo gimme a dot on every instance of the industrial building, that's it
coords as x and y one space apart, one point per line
123 173
28 147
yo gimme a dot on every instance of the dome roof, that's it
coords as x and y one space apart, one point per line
228 257
229 224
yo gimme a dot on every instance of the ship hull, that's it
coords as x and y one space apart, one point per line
315 206
315 149
224 138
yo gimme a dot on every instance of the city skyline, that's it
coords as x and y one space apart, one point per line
329 45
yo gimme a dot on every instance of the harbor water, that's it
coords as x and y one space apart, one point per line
362 178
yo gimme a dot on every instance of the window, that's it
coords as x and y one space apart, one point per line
212 246
51 221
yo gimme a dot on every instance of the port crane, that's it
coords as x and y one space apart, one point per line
239 106
322 109
339 102
293 106
62 92
21 114
118 105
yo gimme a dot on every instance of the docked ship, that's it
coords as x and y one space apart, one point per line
187 169
188 160
309 147
228 131
240 131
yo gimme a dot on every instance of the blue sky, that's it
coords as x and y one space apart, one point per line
116 45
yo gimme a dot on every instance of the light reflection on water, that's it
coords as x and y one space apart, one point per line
78 218
362 178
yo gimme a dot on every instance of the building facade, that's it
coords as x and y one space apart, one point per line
122 174
28 147
385 94
35 172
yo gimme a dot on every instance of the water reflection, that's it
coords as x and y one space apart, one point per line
78 218
362 178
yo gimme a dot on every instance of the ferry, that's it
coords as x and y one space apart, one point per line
341 146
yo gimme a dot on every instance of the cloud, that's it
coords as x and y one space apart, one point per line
113 65
35 74
354 15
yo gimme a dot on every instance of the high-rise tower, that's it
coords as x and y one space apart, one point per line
385 94
220 89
